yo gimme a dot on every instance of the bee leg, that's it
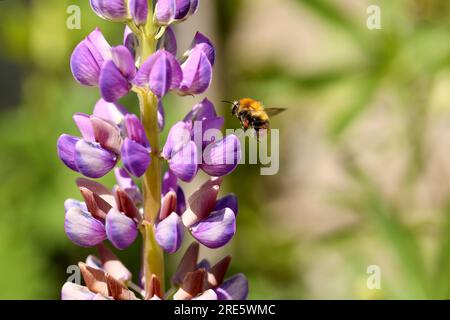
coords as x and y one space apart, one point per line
257 135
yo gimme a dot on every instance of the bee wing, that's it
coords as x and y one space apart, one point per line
271 112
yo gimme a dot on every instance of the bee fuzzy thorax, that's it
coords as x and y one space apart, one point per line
251 104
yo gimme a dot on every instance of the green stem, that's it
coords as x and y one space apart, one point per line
153 257
151 184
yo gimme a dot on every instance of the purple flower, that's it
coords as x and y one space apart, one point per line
104 215
171 11
96 153
116 74
169 232
216 230
186 154
197 73
235 288
203 117
139 11
136 148
197 68
88 58
100 285
210 221
181 152
197 279
106 136
222 157
95 63
160 73
83 229
114 10
170 229
120 229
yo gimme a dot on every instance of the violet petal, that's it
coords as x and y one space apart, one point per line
83 229
165 11
88 57
92 160
169 233
201 111
107 134
170 182
182 9
160 73
179 135
124 61
135 157
216 230
114 10
130 40
197 73
193 7
169 41
181 201
204 44
83 123
120 229
229 201
72 203
184 162
113 85
66 150
235 288
135 130
139 11
110 111
222 157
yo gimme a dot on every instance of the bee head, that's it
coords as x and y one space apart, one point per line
234 106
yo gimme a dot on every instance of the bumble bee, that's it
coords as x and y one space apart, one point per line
252 114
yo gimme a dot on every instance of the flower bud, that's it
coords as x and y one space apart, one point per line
171 11
139 11
160 65
88 57
114 10
197 73
120 229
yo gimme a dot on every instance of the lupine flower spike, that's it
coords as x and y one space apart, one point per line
144 200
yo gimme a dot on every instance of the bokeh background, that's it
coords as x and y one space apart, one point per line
365 145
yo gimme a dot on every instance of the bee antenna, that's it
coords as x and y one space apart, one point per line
226 101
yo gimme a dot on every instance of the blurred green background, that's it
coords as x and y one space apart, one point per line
365 146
